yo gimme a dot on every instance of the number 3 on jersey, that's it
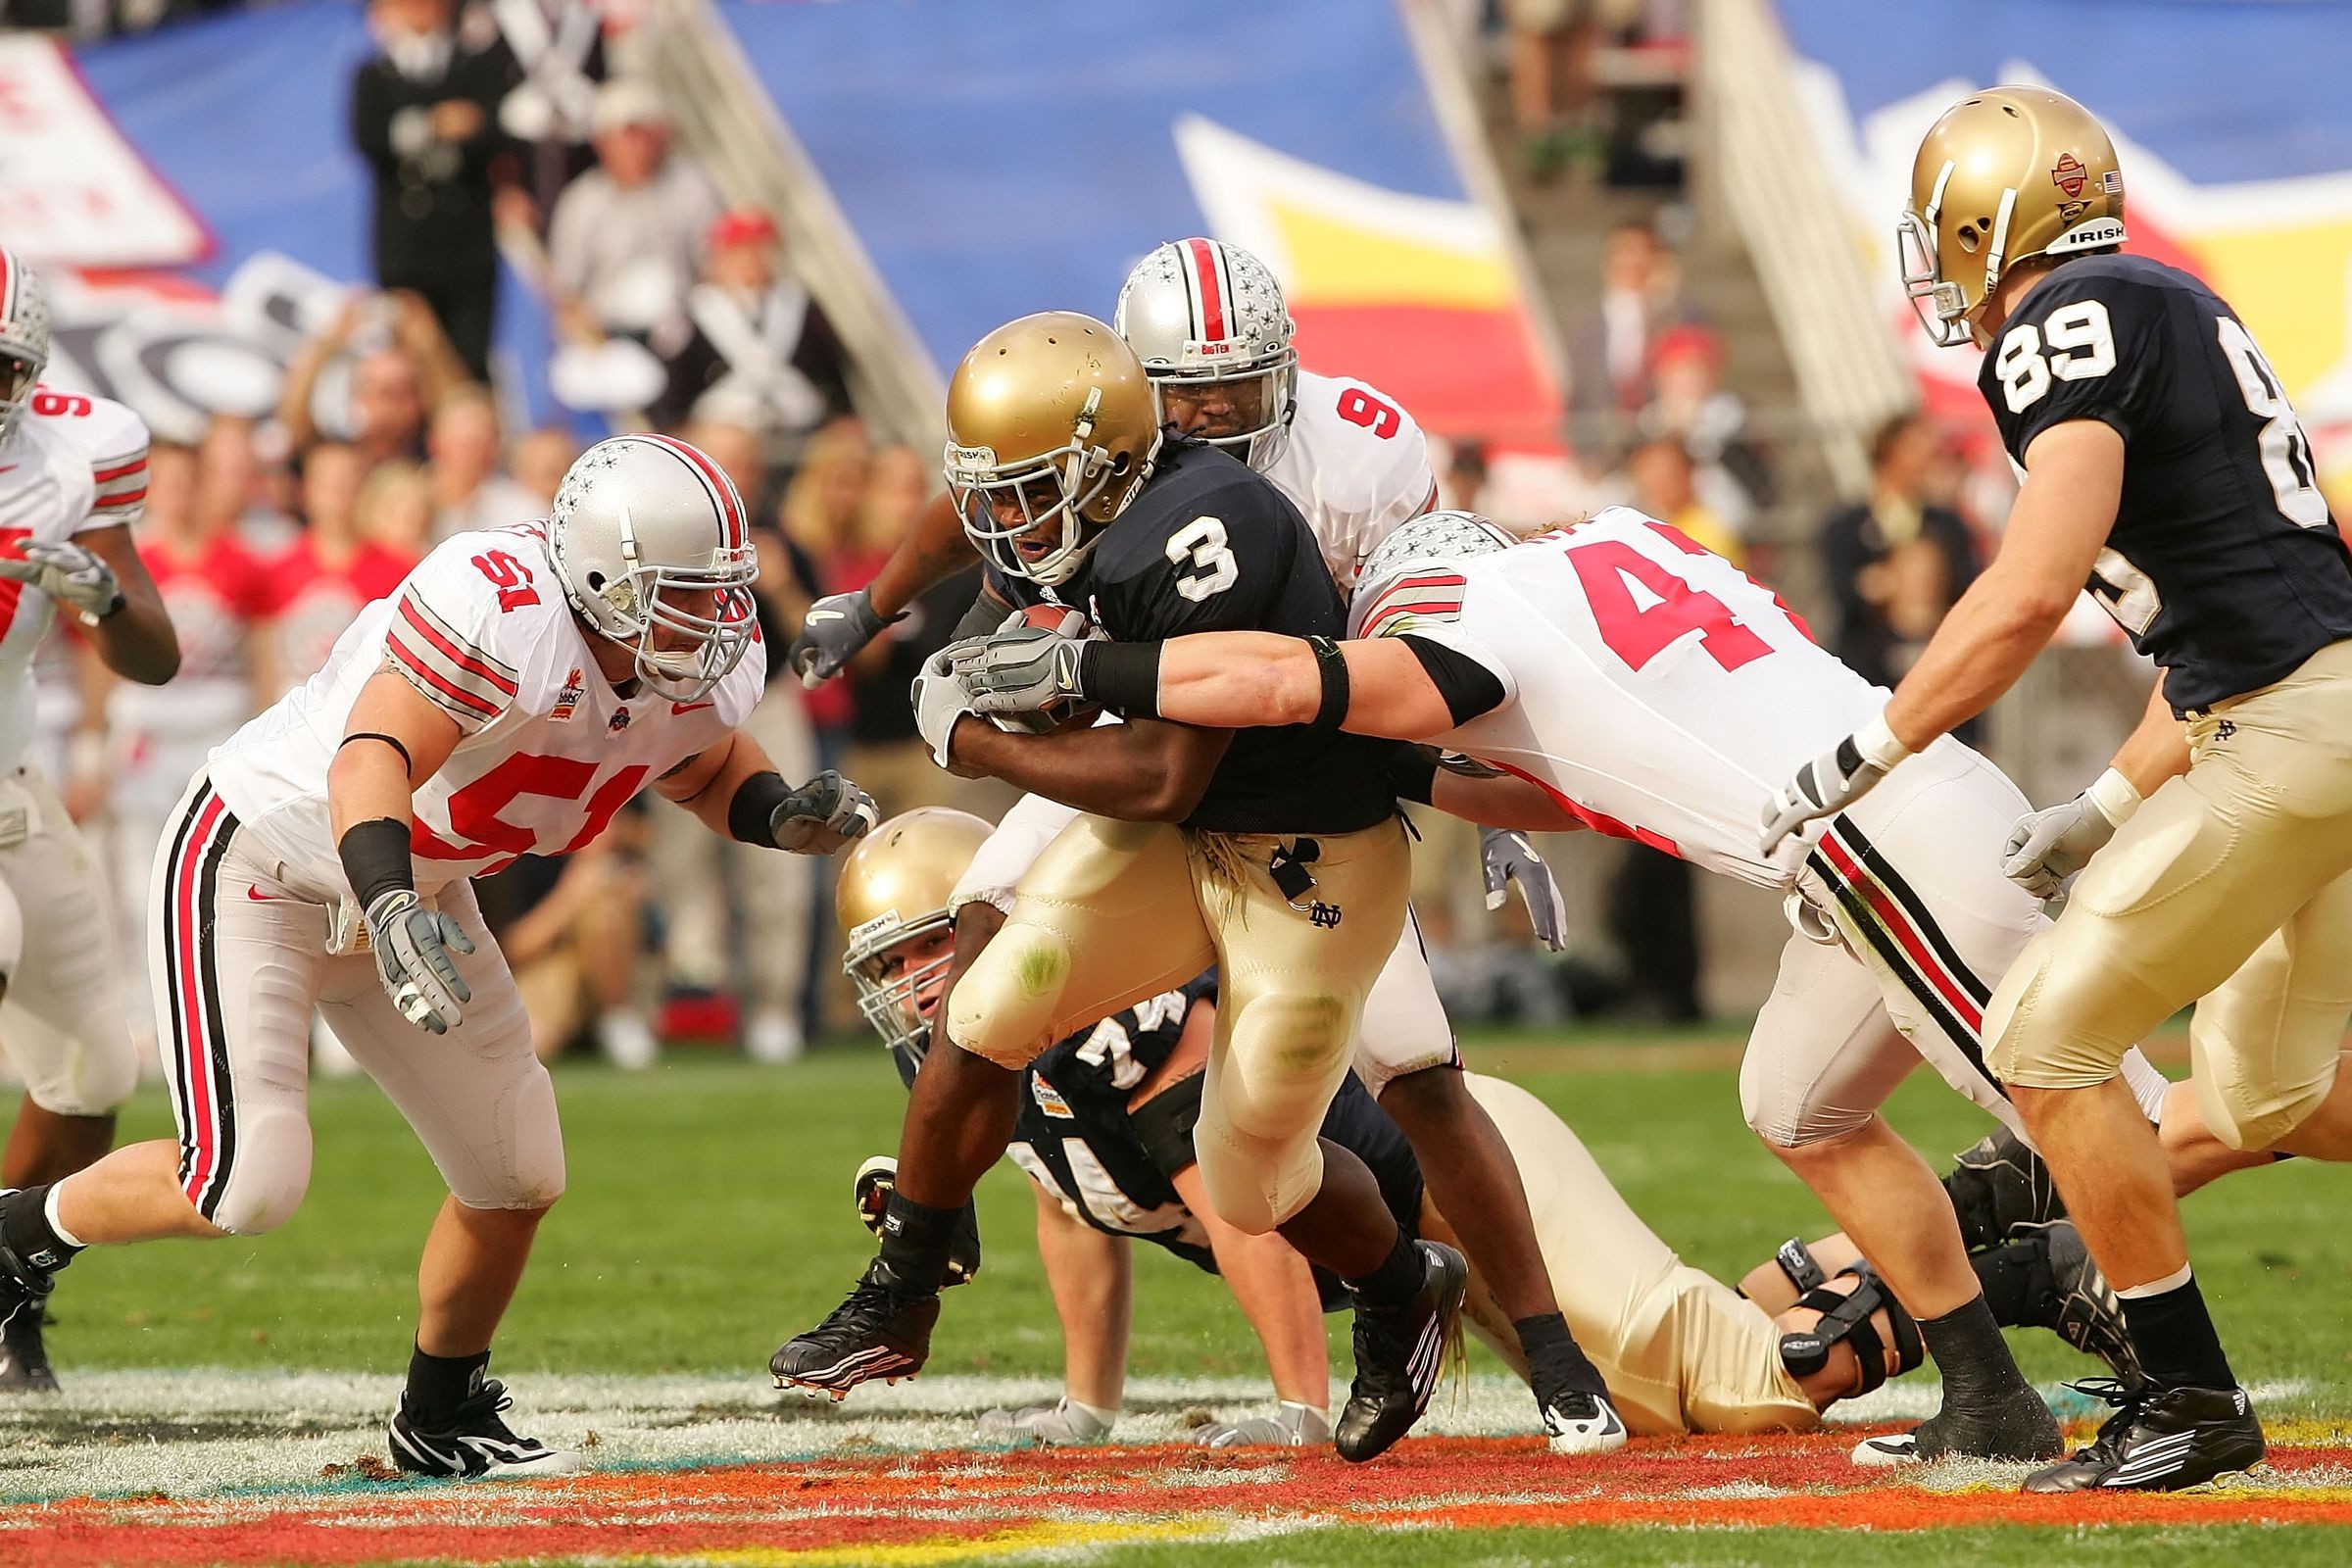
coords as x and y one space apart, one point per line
1642 609
1200 544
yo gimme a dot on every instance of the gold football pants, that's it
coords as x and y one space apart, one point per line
1679 1351
2233 884
1112 913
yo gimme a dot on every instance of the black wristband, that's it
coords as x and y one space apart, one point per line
1411 772
375 859
1123 678
408 764
1332 667
751 813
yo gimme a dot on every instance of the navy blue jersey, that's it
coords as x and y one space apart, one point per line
1210 545
1074 1138
2224 564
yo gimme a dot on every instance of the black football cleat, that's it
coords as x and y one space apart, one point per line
882 1331
2159 1439
2063 1291
2018 1430
1399 1350
472 1442
24 1358
1998 1184
23 1282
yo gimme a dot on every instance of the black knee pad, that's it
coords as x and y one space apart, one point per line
1845 1317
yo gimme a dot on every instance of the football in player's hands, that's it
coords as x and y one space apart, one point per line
1068 625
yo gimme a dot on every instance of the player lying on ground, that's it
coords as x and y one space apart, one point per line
1104 1136
1643 686
2165 468
522 686
1276 854
73 477
1208 321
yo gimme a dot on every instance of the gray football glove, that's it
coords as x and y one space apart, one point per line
413 946
1020 669
1291 1426
940 699
821 815
1832 782
69 574
2049 847
1066 1424
1508 856
837 628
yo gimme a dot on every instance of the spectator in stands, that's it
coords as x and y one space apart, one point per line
1688 404
626 238
370 378
557 52
421 111
1896 560
1664 483
540 461
236 492
757 350
572 929
1609 346
1554 96
394 510
468 490
323 580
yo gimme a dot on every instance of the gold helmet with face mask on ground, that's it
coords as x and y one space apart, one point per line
891 900
2006 176
1052 430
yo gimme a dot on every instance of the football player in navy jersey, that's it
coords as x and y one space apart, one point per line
2165 468
1276 854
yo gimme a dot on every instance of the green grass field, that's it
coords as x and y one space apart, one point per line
708 1217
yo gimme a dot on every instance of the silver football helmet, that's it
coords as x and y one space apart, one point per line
650 538
24 337
1434 539
1202 313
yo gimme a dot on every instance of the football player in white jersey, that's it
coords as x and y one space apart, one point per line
1208 322
73 476
522 686
1641 686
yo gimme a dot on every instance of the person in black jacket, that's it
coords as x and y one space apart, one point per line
422 115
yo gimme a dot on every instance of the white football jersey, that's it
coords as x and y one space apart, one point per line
72 463
1649 685
1355 465
550 750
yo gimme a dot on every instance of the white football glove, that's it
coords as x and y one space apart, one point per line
940 699
1508 856
1291 1426
413 946
1066 1424
69 574
1832 781
2047 847
821 815
1020 669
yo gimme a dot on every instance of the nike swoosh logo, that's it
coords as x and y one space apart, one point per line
675 709
258 897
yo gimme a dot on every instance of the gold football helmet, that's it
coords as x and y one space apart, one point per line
1052 430
2006 176
893 890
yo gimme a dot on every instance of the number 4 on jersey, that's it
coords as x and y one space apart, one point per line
1642 609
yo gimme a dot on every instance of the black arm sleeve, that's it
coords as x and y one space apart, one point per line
1468 686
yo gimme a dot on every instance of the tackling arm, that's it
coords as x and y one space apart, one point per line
1141 772
1244 679
735 792
2074 482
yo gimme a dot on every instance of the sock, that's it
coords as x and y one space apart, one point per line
439 1384
916 1239
1969 1353
1397 1280
2177 1343
1553 1357
26 1231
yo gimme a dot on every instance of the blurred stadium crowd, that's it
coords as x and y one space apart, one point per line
527 127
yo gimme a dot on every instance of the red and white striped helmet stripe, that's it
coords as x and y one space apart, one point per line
1209 289
10 272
